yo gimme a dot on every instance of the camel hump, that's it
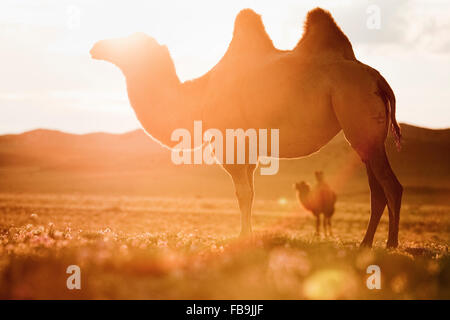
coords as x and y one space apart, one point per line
321 34
249 34
319 16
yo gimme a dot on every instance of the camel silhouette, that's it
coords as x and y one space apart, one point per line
319 200
309 93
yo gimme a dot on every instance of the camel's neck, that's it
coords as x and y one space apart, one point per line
161 103
304 198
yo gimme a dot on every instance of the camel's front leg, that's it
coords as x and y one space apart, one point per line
317 234
242 176
244 195
325 225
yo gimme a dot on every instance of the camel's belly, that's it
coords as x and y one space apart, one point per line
299 135
298 142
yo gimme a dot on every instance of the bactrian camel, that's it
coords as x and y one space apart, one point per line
309 93
319 200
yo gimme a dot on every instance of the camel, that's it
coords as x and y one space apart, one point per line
319 200
309 93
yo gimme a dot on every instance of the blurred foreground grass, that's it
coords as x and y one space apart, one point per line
169 248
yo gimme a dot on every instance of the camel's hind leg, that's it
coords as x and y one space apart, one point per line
392 188
377 205
362 114
381 175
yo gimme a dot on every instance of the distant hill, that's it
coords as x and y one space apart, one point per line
132 163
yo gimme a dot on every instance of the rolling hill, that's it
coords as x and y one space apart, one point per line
51 161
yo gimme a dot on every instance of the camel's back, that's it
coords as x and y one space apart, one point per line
255 83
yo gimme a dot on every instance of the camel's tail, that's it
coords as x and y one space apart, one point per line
389 99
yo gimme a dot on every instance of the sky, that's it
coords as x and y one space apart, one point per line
48 80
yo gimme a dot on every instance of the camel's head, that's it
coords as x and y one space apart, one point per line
319 176
301 186
131 53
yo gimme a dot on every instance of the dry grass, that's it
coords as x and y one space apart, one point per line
169 248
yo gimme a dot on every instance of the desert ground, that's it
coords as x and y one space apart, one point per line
139 228
169 248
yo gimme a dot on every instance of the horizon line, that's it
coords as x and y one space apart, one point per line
140 128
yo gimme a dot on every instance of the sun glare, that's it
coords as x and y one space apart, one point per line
282 201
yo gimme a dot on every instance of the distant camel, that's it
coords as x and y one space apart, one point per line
309 93
319 200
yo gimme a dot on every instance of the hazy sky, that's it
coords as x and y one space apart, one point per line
47 79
